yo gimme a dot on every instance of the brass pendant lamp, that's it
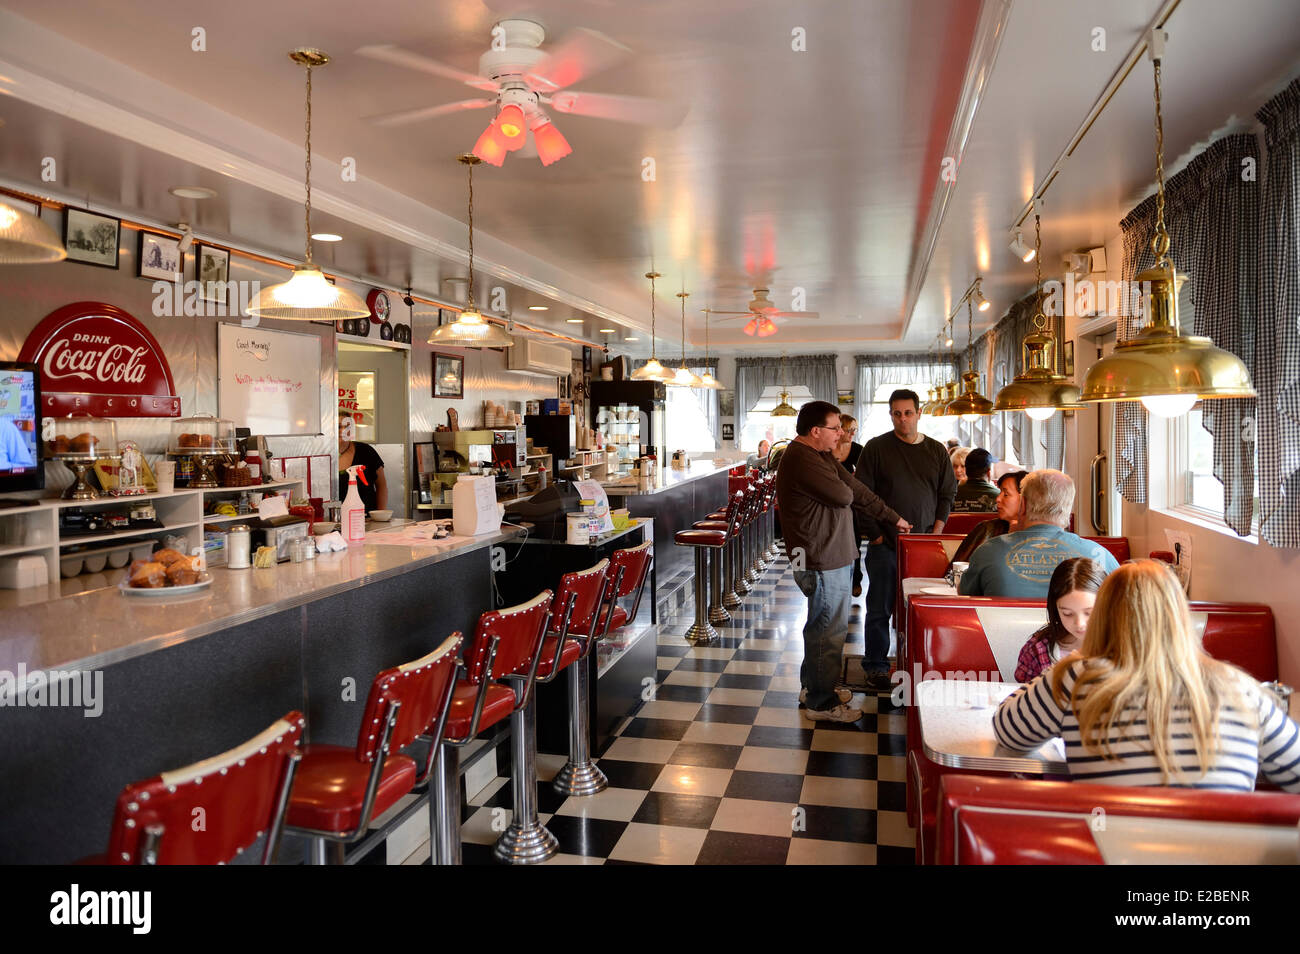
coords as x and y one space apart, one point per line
470 329
307 295
1165 370
683 377
946 392
970 404
785 408
652 370
1038 390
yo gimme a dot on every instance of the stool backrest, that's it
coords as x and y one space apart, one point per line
422 688
518 630
586 589
240 795
635 564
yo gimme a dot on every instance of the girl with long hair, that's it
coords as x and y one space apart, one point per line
1070 599
1146 705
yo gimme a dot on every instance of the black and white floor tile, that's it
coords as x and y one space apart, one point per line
721 767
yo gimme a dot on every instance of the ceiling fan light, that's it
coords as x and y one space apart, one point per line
511 128
551 144
307 296
766 327
491 147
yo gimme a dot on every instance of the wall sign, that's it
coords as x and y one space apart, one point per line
97 358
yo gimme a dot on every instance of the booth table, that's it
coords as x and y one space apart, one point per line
956 718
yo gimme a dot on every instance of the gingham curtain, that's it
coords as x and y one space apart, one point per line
1277 372
815 371
875 370
1212 213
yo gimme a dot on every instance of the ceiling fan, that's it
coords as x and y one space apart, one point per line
523 79
761 312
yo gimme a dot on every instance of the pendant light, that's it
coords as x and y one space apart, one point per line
652 370
1038 390
26 240
1167 371
307 296
470 329
707 380
684 378
970 404
785 408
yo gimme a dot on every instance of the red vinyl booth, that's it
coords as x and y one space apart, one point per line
964 523
1005 821
928 555
948 634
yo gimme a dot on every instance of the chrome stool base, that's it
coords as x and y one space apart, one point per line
526 845
580 779
717 612
701 634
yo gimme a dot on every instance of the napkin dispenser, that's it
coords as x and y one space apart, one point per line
278 532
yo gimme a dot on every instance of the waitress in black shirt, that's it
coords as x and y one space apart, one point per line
374 492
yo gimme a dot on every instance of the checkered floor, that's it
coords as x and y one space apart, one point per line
722 768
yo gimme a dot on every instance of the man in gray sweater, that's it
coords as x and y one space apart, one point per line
914 475
817 497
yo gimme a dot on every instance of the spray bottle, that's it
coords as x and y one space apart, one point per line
352 520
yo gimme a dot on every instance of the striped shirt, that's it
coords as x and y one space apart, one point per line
1260 738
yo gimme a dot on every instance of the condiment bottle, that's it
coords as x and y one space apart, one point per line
237 547
353 523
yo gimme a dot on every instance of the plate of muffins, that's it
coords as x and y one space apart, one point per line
167 573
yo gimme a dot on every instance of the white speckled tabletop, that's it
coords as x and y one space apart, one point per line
956 719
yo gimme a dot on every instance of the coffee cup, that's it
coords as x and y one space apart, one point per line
958 569
164 473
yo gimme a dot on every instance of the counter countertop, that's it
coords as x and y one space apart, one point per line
665 479
98 628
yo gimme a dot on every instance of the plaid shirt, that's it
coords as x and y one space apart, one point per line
1035 657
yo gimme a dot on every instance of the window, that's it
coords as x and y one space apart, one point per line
687 424
876 416
762 426
1193 486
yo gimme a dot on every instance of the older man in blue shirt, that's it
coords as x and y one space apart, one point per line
1021 563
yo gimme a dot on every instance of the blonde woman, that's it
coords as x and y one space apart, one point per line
1145 705
958 457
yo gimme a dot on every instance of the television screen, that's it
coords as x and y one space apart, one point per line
20 456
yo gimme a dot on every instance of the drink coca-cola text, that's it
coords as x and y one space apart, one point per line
116 363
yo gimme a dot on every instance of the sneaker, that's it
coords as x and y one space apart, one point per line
857 590
879 682
843 694
840 713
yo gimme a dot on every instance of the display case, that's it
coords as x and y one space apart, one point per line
631 415
203 439
620 425
79 440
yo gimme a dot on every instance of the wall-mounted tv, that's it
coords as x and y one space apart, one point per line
20 427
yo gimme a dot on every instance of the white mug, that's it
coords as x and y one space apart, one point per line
164 473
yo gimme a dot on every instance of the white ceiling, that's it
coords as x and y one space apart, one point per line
820 166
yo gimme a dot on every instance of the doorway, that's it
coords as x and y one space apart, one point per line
1100 507
373 387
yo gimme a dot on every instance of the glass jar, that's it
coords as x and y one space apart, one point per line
238 547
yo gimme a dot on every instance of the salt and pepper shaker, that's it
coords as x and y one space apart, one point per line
238 542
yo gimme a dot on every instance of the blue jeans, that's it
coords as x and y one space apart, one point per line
882 578
824 633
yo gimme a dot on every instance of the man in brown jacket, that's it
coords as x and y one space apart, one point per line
817 498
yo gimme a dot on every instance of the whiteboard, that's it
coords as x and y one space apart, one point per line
268 381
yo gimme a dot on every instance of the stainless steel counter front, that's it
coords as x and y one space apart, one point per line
105 626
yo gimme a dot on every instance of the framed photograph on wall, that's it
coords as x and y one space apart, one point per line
1068 355
844 398
160 257
91 238
448 375
727 403
212 266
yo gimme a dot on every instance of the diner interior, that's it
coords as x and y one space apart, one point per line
363 368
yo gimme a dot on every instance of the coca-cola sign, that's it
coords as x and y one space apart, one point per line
97 358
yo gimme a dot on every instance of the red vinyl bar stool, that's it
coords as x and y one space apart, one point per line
507 644
758 548
339 788
577 605
634 564
731 555
711 536
769 524
740 571
240 795
717 558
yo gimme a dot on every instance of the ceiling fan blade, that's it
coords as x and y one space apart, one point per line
792 314
713 312
428 112
582 53
624 109
399 57
738 316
